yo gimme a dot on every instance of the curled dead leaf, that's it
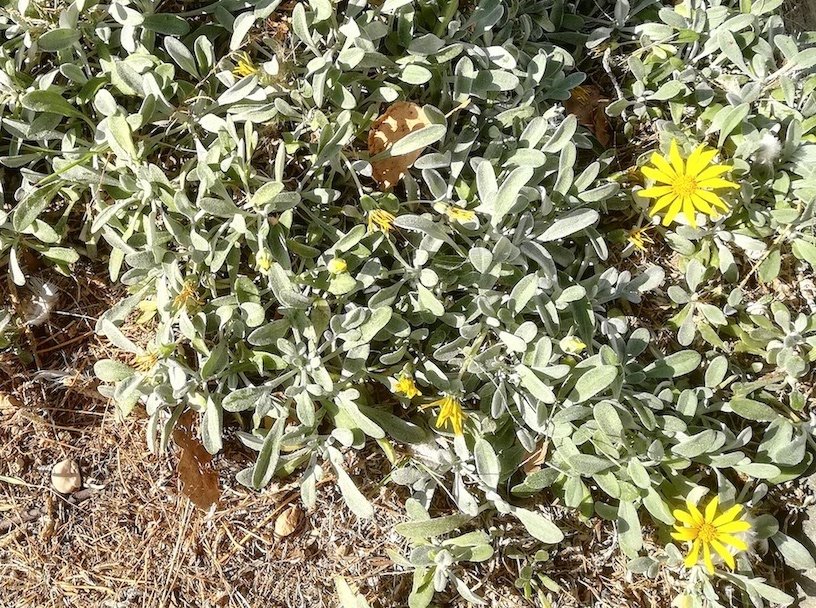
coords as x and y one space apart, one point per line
198 477
400 119
536 459
9 404
288 521
586 102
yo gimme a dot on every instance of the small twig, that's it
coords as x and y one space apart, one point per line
32 514
766 254
68 343
239 545
608 69
26 328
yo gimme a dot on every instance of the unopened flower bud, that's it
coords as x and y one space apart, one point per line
337 266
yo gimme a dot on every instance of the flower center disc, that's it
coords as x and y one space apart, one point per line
684 185
707 533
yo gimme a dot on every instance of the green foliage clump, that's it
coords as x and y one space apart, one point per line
218 160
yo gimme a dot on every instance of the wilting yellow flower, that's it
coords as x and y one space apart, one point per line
337 266
245 67
457 214
263 259
450 410
148 309
710 531
686 185
406 386
380 220
638 237
683 600
145 361
187 297
580 94
572 345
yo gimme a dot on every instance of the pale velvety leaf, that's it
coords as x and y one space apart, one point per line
355 499
539 526
432 527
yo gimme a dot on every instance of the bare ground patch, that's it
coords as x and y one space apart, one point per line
131 538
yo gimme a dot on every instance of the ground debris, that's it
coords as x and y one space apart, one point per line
198 478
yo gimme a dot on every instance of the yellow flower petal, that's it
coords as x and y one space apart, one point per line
735 542
732 527
655 191
727 516
676 159
663 165
688 211
450 410
381 220
723 553
699 160
673 211
707 558
711 509
694 555
695 513
712 198
656 175
661 203
701 204
713 171
686 518
685 534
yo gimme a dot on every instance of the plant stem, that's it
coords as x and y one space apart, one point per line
450 10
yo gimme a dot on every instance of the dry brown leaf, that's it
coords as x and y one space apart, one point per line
66 477
588 105
288 521
400 119
536 459
9 404
199 480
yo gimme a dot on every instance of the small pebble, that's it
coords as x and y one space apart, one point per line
65 476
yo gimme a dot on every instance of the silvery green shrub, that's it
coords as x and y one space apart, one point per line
217 161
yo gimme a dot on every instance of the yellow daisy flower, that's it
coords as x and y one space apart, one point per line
710 530
380 220
686 185
244 67
457 214
450 410
405 385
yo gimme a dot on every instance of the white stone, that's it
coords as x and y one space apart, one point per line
65 476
